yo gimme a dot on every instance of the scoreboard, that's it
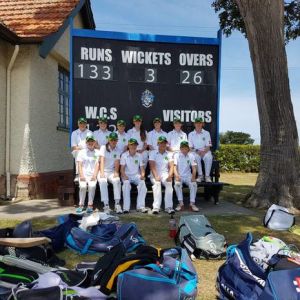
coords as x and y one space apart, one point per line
118 75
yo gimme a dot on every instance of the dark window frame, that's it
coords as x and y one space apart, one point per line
63 99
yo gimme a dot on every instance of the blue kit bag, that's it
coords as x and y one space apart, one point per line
241 278
173 279
102 238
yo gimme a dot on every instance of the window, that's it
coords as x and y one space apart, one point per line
63 98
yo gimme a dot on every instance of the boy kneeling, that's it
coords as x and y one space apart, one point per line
184 161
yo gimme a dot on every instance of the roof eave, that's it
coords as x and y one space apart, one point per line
8 35
84 7
50 41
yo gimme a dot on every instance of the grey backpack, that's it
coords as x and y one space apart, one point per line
197 236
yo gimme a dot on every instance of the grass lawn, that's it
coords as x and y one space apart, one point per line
155 230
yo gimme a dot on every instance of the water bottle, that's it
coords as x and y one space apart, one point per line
173 227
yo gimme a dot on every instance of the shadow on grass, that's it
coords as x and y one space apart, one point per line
236 193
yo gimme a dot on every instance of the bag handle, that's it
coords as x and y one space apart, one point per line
156 268
86 246
268 221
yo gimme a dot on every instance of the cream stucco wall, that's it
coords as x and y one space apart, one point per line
3 56
20 91
37 145
50 146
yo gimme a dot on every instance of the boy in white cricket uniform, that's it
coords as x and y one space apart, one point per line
101 135
176 136
161 166
133 171
200 143
78 141
88 169
184 161
109 172
154 134
122 136
138 133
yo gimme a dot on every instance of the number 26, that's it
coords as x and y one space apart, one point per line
197 78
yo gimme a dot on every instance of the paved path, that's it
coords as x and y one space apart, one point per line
49 208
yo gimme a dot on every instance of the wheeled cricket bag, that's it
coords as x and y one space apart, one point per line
278 218
241 278
87 242
197 236
172 279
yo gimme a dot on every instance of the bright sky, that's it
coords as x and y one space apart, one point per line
197 18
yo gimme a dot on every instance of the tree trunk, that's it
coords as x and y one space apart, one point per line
279 176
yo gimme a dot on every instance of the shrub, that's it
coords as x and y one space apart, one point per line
245 158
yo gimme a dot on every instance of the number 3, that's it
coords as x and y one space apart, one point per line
94 71
106 71
150 77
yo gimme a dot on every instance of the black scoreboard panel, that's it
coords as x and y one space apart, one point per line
121 78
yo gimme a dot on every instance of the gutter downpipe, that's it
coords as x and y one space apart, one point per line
8 115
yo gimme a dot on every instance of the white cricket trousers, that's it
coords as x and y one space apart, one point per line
83 186
157 195
115 181
207 159
192 186
142 191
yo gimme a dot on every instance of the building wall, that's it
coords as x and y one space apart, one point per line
49 145
21 158
40 153
3 47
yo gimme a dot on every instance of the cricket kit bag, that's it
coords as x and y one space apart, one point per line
172 279
43 254
59 233
278 218
197 236
115 262
51 286
11 276
86 242
241 278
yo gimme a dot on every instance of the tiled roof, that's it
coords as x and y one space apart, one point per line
35 19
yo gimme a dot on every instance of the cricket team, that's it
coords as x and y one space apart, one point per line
122 157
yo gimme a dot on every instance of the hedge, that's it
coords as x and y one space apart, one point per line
243 158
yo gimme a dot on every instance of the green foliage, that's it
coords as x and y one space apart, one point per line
243 158
230 18
236 137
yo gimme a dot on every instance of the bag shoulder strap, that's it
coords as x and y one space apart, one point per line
176 238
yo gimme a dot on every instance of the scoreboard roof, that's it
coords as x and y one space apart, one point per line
145 37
